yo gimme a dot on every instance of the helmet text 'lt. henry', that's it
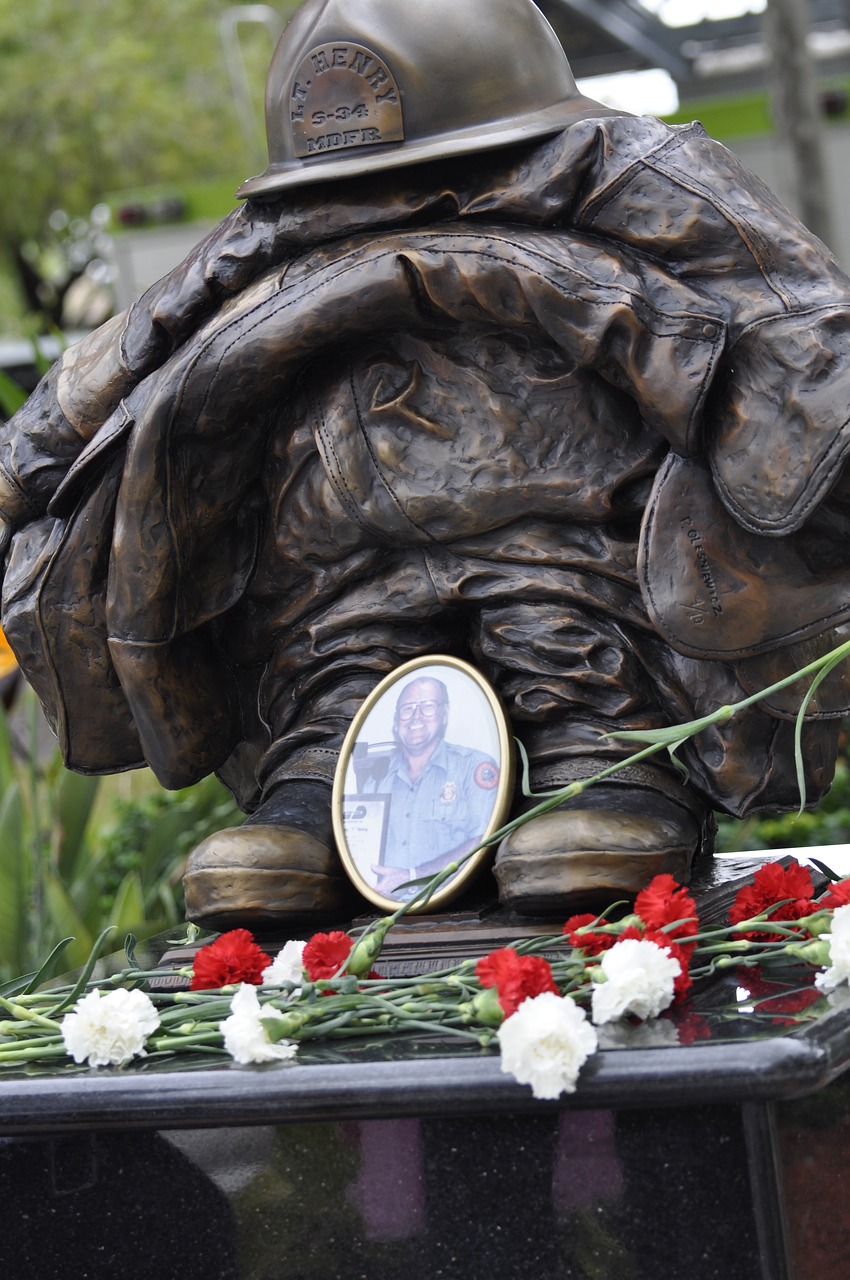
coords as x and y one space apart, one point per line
361 85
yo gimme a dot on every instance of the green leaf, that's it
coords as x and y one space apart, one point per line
158 852
827 871
7 760
130 951
676 762
526 777
830 663
32 981
15 880
76 794
526 770
65 920
87 971
128 908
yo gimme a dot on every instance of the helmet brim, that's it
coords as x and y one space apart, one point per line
397 155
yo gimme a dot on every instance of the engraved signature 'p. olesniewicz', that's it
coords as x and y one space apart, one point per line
701 606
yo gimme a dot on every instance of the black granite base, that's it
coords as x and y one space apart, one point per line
754 1192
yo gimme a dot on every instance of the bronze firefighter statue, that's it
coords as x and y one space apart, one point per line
479 367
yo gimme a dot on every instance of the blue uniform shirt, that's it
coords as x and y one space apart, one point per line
449 804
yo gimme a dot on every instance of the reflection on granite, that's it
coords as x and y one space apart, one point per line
630 1194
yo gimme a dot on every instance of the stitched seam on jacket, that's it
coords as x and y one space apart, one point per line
595 203
654 159
758 247
334 471
243 329
822 477
617 291
824 469
411 523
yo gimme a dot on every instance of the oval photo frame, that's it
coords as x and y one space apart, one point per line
425 773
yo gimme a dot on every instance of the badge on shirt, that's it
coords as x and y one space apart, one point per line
486 775
448 795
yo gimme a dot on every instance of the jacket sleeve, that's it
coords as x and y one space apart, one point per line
778 429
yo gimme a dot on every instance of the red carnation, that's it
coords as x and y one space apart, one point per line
233 957
515 977
325 954
592 943
663 902
771 884
837 896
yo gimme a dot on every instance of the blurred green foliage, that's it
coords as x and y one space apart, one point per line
75 856
113 94
11 396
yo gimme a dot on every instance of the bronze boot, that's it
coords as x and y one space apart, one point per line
605 846
279 865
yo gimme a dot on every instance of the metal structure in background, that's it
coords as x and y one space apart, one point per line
706 57
796 112
244 97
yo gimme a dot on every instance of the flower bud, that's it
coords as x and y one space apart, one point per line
817 924
285 1026
366 951
816 952
739 948
484 1007
729 962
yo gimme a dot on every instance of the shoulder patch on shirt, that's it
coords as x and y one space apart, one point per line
486 775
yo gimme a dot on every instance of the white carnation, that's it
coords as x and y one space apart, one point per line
287 966
638 979
109 1029
545 1043
839 951
245 1037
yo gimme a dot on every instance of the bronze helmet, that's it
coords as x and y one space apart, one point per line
356 86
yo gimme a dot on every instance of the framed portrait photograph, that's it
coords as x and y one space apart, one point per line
425 775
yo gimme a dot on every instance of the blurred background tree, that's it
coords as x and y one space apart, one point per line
115 94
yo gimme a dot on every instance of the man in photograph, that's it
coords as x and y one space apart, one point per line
441 794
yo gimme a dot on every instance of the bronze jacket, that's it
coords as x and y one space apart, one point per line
647 256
